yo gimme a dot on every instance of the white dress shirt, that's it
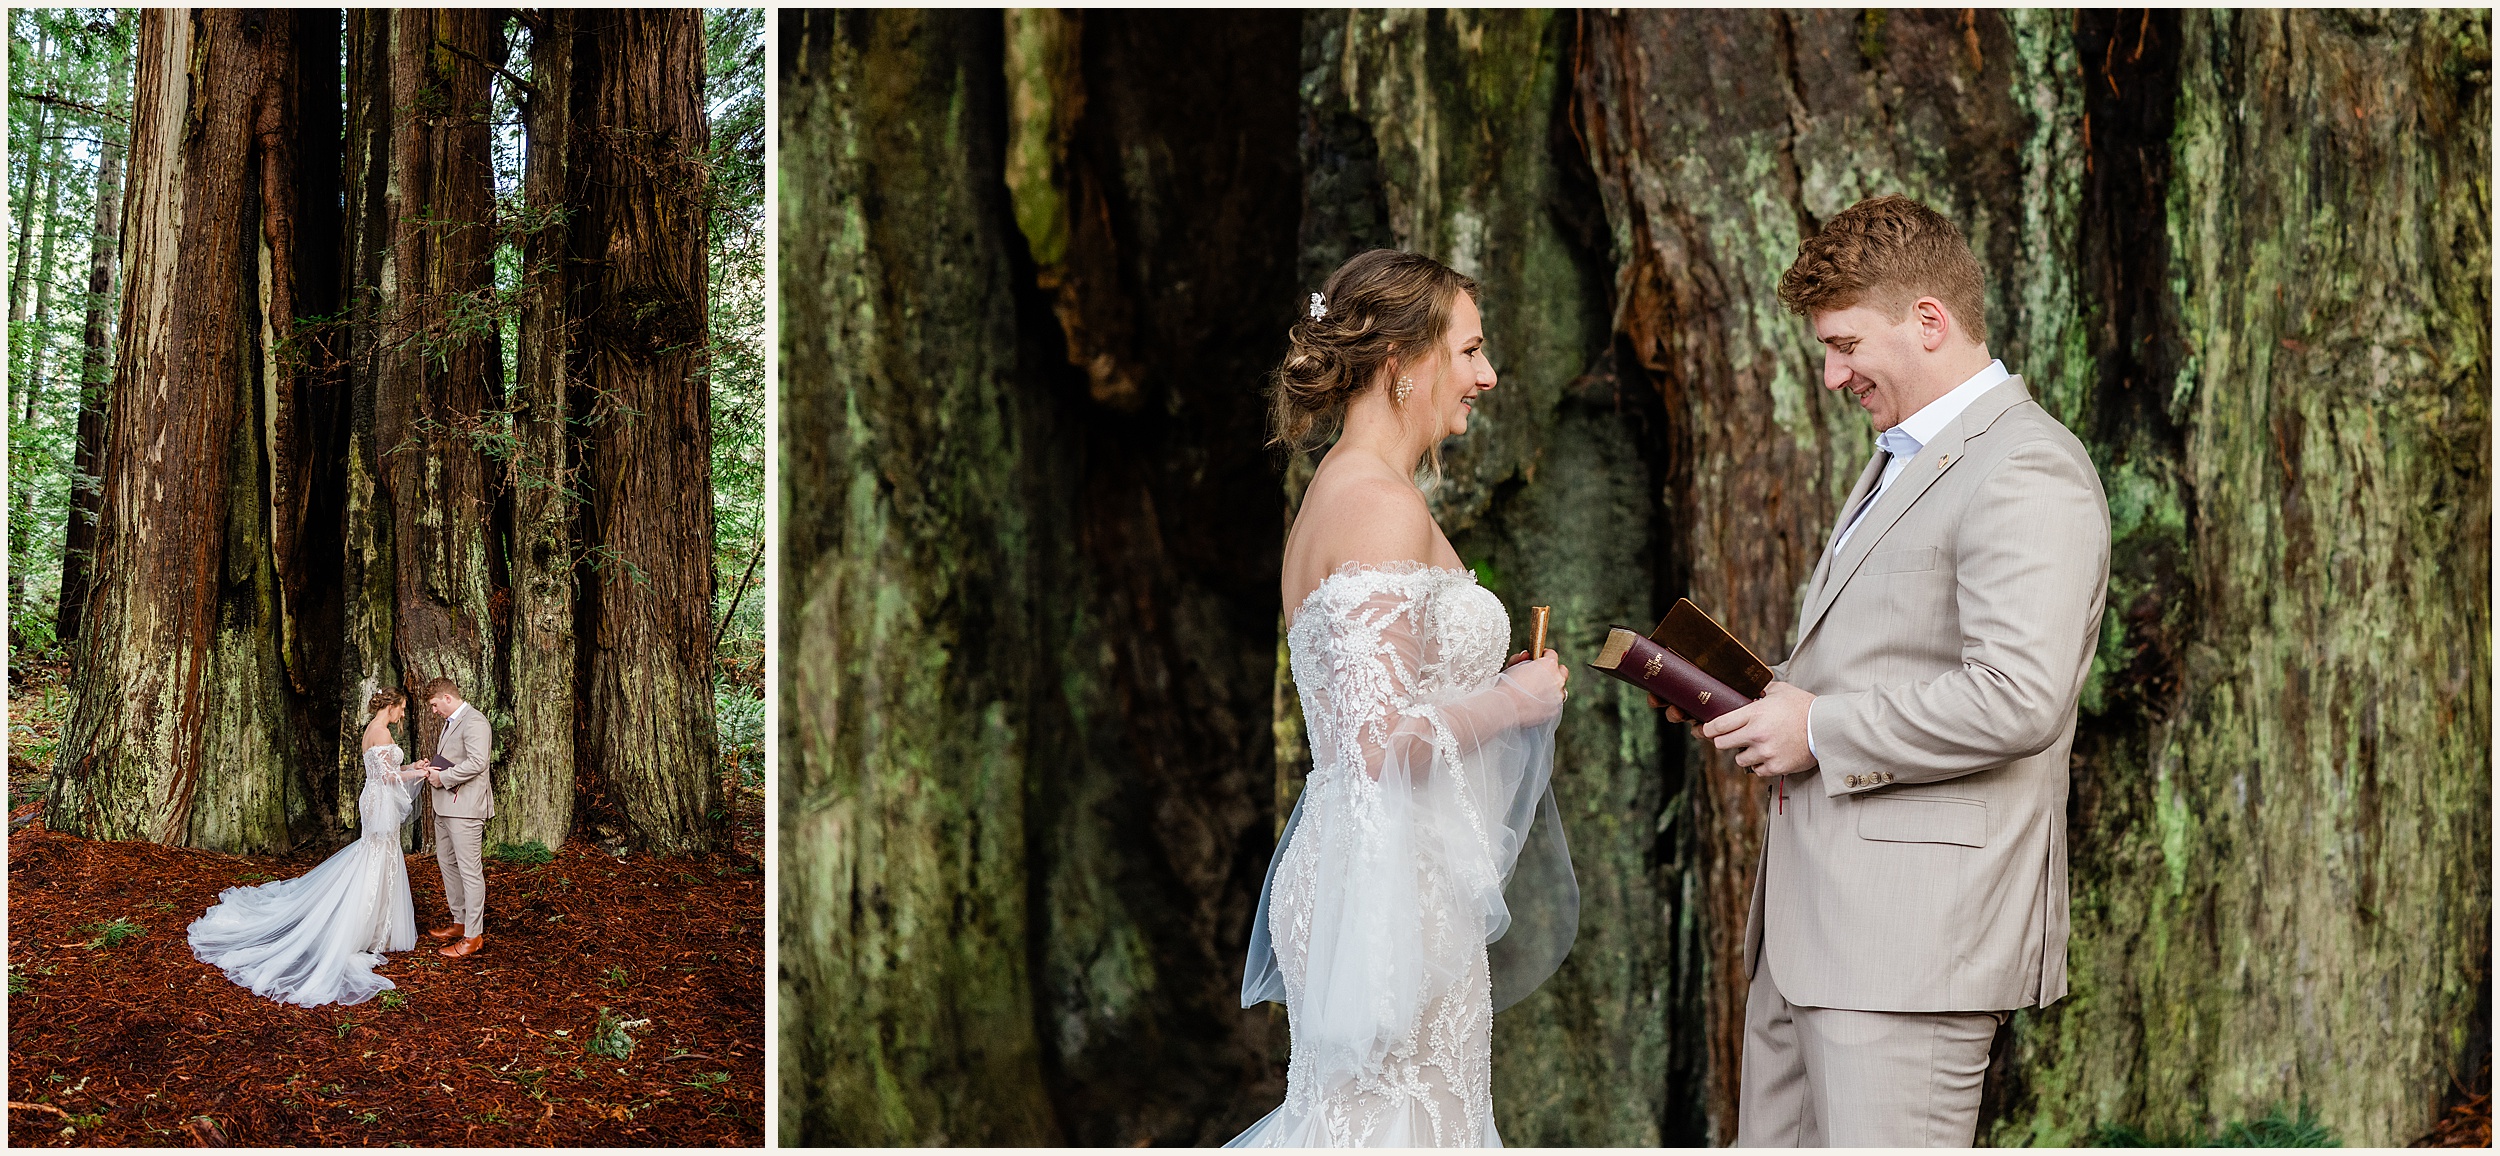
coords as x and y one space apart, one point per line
1903 441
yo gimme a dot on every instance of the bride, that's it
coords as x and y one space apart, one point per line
316 938
1427 829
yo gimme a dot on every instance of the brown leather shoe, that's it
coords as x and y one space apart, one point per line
470 946
447 931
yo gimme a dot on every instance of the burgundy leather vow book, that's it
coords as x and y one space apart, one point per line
1690 661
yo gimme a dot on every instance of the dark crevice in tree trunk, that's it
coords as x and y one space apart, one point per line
1152 826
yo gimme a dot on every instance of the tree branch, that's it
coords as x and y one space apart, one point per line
498 69
72 105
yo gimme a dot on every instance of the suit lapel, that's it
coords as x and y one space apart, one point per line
1933 461
1867 478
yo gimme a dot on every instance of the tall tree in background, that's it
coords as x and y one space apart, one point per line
95 357
638 328
184 728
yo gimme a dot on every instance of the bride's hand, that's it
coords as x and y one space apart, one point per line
1545 678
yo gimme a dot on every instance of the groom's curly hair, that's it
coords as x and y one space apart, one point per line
438 685
1888 252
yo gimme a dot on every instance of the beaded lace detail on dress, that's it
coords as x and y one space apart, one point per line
1428 764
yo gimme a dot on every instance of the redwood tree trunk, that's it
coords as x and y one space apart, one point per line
911 641
94 372
183 729
432 377
640 332
536 777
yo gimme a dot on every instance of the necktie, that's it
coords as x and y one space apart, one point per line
1895 445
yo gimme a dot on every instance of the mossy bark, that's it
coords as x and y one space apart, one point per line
909 594
2283 876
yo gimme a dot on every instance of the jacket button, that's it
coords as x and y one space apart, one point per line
1852 780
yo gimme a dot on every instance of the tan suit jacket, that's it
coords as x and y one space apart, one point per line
1948 642
469 790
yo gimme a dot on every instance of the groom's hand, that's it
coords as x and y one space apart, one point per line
1768 734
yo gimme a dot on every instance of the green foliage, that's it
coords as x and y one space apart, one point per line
2275 1129
707 1082
608 1038
617 978
80 59
114 934
393 1001
530 852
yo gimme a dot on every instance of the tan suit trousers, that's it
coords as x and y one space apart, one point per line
457 849
1830 1078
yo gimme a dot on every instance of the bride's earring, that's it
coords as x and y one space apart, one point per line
1406 385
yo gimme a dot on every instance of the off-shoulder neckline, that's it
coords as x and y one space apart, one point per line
1349 569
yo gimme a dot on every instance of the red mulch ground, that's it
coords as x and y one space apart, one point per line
2468 1122
136 1043
139 1043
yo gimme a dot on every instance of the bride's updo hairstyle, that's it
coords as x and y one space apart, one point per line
383 700
1379 306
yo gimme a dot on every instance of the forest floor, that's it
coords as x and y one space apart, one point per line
118 1036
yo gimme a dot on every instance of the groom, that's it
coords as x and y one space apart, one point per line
464 799
1912 887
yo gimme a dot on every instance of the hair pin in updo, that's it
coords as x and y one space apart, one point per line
1319 307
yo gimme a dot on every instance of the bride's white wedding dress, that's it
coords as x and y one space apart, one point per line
1427 831
315 939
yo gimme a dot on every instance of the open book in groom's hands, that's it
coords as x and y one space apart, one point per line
1690 661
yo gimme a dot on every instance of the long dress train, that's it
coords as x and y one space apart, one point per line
1422 882
316 938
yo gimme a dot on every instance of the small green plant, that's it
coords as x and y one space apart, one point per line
393 1001
708 1082
253 877
530 852
345 1026
120 931
88 1121
608 1038
617 978
368 1118
2276 1129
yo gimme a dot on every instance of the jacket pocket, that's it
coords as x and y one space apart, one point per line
1901 561
1923 819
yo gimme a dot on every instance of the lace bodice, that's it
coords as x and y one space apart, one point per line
1370 640
387 799
1430 771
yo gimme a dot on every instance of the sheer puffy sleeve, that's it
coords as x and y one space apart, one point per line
1426 831
383 772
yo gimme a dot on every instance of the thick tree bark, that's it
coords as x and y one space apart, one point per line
536 777
640 329
909 621
2282 857
183 730
94 372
